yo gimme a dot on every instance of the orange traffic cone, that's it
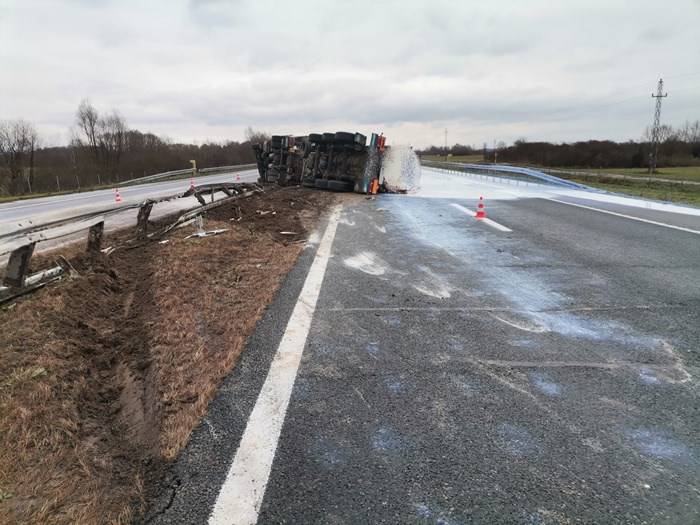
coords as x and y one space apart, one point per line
117 195
191 184
480 209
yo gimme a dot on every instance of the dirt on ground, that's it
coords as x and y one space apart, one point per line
103 377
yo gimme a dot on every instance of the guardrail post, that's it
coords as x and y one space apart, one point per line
142 219
18 266
95 237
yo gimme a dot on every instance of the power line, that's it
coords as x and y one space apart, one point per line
657 124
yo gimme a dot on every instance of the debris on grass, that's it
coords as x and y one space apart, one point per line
207 233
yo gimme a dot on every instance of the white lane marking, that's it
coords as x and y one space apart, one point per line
491 223
656 223
242 493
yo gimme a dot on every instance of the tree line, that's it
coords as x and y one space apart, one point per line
678 146
102 150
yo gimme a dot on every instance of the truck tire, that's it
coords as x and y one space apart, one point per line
339 185
344 137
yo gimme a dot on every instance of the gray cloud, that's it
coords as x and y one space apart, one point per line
205 69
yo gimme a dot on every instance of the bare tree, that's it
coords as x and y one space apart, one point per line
255 136
104 136
18 143
690 131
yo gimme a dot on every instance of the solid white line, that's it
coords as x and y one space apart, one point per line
242 493
629 217
491 223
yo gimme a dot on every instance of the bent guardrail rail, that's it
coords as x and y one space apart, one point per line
21 243
187 171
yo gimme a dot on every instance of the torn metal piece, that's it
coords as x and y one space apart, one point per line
207 233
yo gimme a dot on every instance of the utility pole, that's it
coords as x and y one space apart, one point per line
657 124
445 144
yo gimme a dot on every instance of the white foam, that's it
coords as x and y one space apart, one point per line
367 262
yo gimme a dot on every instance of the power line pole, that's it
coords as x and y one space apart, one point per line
445 144
657 124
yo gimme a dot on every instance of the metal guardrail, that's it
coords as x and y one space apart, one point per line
20 244
187 171
505 171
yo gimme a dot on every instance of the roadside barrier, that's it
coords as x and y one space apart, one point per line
506 174
21 243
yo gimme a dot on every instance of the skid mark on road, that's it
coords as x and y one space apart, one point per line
242 493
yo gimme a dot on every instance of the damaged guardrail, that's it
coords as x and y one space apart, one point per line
21 243
188 171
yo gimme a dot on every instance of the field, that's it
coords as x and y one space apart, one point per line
470 159
691 173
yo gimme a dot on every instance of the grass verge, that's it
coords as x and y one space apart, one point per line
690 173
102 378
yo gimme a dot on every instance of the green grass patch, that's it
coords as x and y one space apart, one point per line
691 173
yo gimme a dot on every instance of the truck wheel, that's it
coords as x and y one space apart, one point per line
343 137
339 185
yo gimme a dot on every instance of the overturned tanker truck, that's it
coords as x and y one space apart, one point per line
338 161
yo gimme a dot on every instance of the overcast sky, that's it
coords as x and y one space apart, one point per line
206 69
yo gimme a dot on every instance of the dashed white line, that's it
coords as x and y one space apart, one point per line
491 223
656 223
242 493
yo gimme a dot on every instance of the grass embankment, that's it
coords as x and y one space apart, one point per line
103 377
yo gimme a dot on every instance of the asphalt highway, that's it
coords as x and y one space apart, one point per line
540 369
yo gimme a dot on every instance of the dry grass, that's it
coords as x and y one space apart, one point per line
103 378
